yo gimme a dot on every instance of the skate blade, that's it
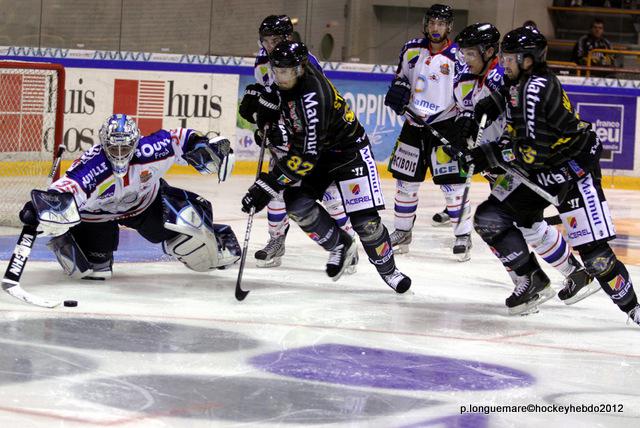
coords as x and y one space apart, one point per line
401 249
274 262
584 292
351 252
532 306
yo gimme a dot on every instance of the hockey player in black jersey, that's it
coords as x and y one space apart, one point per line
551 147
327 144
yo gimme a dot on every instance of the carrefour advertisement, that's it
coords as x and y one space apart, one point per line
613 118
366 99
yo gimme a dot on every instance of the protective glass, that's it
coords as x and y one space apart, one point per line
508 59
468 54
286 78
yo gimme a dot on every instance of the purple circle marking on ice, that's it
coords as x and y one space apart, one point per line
359 366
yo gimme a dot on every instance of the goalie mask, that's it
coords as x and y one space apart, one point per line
119 137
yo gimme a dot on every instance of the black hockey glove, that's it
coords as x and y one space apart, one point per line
249 104
258 137
260 193
28 215
278 136
398 95
268 107
492 105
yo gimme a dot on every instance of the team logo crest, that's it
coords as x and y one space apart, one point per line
354 188
444 69
383 249
145 176
617 283
573 222
314 236
513 96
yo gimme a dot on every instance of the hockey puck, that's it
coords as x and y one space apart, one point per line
71 303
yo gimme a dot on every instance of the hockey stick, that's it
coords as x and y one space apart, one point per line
467 183
513 171
18 260
240 293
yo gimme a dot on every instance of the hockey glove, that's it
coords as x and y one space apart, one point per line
250 102
492 105
398 95
260 193
268 107
278 136
467 129
52 211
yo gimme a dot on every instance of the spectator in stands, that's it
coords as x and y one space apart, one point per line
594 40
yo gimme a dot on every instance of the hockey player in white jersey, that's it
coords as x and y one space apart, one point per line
478 50
424 84
119 182
273 30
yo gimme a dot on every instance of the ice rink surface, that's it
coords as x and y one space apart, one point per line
159 345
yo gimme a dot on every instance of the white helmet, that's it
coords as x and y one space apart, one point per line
119 137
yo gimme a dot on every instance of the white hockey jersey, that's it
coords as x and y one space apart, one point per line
432 76
469 89
102 196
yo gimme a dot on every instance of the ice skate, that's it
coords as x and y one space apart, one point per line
400 240
353 267
462 247
441 219
634 314
341 257
397 280
578 286
271 255
531 290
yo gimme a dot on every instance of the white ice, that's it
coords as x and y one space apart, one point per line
581 354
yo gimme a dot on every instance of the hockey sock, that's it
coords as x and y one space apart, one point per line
549 244
320 227
332 202
617 284
277 217
375 240
406 204
453 195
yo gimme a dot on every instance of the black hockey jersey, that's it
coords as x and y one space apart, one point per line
318 121
545 129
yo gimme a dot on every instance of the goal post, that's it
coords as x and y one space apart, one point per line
31 130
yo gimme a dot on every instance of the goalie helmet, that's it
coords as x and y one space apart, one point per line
276 25
525 41
287 62
119 137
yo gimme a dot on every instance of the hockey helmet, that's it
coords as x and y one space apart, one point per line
525 41
276 25
119 137
287 62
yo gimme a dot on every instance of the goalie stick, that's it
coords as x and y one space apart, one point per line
240 293
18 260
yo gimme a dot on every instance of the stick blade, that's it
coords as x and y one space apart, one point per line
240 293
19 293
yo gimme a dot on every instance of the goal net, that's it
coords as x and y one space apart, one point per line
31 128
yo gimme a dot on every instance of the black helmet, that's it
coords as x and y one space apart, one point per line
526 41
276 25
482 34
288 54
439 11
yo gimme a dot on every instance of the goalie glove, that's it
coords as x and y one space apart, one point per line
210 156
53 212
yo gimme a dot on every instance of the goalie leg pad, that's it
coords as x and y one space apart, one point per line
200 244
70 256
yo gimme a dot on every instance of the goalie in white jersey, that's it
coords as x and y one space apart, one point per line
424 84
119 182
482 76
